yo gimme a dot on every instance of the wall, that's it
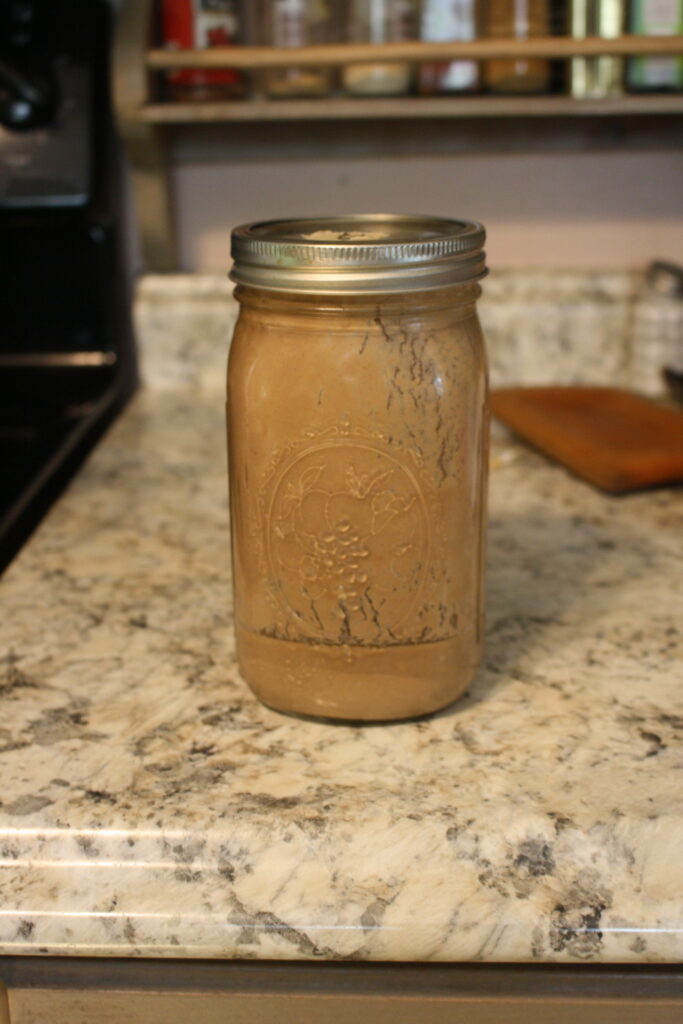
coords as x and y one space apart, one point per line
583 200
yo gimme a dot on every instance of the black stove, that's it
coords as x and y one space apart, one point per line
67 362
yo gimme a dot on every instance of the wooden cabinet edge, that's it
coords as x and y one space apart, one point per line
4 1005
87 1006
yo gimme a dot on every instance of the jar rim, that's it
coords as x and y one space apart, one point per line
358 253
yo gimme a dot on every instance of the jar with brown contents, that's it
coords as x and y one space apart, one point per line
517 19
357 431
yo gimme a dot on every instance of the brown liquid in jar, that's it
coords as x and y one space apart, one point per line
357 434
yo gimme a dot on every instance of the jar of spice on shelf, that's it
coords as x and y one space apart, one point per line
445 21
658 73
380 21
292 23
194 25
517 19
597 76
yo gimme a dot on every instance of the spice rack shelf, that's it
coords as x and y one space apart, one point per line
405 107
551 47
145 121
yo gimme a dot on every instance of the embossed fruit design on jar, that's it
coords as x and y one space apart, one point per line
357 435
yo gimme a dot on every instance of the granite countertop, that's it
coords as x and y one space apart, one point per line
150 806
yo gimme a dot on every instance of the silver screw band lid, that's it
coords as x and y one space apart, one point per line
359 253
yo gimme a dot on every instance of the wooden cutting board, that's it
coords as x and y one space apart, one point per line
614 439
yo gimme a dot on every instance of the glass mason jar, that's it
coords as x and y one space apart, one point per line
357 436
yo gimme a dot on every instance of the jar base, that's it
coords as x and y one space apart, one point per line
355 683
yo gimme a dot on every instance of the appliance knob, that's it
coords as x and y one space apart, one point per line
28 99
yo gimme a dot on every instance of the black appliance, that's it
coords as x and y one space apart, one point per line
67 363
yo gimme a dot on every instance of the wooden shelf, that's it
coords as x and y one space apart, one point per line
407 107
343 108
551 47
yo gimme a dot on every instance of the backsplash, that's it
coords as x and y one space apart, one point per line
541 328
558 328
184 324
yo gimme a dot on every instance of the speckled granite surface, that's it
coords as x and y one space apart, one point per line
541 328
150 806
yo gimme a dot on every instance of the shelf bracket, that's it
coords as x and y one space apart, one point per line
146 145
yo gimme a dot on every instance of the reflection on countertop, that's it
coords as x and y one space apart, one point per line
152 807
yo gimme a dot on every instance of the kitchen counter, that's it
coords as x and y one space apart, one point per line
150 806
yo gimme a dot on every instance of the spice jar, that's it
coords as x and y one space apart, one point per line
596 77
456 20
293 23
357 433
380 21
517 19
657 73
197 24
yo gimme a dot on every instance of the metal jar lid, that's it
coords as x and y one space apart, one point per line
360 253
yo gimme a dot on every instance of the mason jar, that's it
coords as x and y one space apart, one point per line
357 438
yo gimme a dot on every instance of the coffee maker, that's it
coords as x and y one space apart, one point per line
67 360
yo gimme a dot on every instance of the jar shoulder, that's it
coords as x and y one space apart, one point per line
445 332
389 365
